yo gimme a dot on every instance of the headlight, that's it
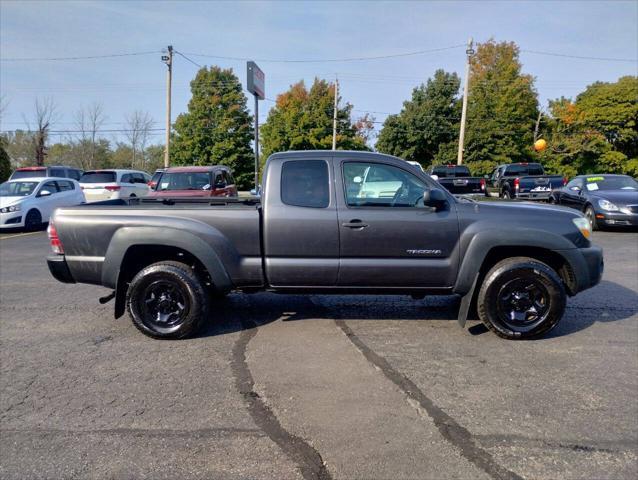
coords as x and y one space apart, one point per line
583 225
607 205
12 208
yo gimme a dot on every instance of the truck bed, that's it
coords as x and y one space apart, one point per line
232 226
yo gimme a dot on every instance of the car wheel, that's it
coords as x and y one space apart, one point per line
133 196
506 195
33 221
551 200
591 216
521 298
167 300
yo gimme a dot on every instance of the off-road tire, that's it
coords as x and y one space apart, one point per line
189 285
504 273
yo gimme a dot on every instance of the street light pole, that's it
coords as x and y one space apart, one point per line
168 60
469 52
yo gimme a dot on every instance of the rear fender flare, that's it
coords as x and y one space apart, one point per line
128 237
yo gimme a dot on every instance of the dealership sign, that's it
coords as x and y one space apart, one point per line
256 81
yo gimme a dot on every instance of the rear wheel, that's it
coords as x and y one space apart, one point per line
591 216
167 300
506 195
521 298
33 220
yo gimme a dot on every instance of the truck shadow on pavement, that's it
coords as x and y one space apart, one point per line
608 302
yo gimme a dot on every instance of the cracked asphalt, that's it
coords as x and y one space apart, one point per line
304 387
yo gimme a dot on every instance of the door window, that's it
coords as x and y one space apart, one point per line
58 172
304 183
65 186
379 185
126 178
51 187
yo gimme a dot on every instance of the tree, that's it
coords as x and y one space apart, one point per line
302 119
5 163
138 128
217 127
45 115
88 121
502 107
596 133
19 145
427 126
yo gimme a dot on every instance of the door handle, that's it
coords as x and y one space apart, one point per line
356 224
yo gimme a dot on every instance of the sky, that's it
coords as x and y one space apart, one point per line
309 31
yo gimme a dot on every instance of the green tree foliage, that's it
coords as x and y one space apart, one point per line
302 120
217 127
502 107
426 129
5 163
596 133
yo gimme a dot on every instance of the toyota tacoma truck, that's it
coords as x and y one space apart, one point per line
329 222
525 181
457 179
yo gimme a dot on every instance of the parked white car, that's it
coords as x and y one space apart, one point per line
30 202
101 185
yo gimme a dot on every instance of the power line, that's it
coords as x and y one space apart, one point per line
330 60
581 57
88 57
184 56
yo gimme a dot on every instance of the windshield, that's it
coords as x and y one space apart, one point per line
17 189
601 182
184 181
41 172
98 177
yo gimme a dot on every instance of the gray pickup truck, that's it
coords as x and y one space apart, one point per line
329 222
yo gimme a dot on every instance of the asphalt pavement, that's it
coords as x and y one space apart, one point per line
328 387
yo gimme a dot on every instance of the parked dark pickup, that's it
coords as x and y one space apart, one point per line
329 222
457 179
522 180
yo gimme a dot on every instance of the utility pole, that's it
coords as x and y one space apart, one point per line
469 52
168 60
334 116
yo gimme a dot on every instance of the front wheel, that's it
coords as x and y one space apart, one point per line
33 221
591 216
167 300
521 298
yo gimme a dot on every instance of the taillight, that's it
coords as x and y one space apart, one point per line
56 244
564 181
482 184
112 188
517 183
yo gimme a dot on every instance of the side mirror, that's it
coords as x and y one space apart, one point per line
486 177
575 189
44 193
434 177
435 198
357 179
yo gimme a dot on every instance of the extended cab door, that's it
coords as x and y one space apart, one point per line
388 238
301 238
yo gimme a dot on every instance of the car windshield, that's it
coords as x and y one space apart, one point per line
98 177
17 189
184 181
40 172
601 182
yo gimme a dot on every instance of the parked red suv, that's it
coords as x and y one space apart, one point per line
215 181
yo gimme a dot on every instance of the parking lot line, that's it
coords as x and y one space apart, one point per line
18 235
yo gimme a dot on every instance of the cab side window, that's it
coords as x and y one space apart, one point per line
58 172
219 180
304 183
380 185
